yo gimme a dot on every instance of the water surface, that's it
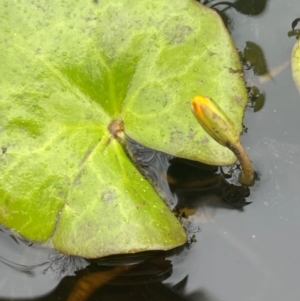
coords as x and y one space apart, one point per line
249 254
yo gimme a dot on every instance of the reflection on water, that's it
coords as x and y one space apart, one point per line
132 277
178 179
28 270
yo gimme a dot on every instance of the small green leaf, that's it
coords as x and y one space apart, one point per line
254 57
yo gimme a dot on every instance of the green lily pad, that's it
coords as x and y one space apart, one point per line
191 54
72 67
296 64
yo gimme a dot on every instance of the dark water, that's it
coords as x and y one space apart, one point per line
234 254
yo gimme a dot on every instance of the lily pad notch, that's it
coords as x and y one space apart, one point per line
116 129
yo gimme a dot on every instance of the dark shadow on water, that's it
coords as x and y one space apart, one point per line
179 180
136 282
246 7
192 182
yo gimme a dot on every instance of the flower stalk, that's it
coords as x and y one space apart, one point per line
218 125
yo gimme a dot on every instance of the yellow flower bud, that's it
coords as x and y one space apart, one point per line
214 121
218 125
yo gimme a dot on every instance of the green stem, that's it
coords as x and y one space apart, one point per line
247 175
